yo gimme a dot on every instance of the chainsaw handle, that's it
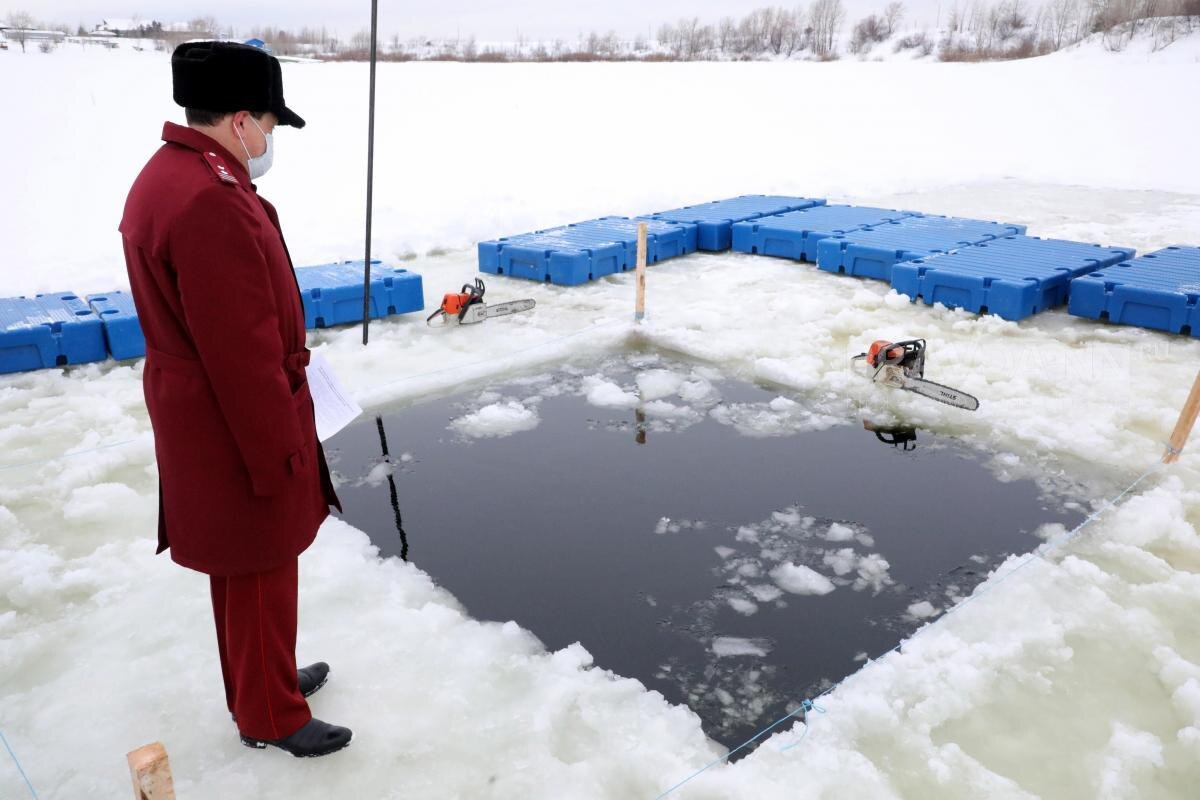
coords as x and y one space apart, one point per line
474 290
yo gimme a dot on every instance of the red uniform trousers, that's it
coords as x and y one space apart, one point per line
256 637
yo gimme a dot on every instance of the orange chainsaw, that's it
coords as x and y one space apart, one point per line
901 365
467 307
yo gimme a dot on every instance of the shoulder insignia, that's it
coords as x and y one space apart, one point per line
217 165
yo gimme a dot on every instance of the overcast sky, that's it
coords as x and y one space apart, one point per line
486 19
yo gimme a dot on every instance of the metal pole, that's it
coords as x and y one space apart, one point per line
370 171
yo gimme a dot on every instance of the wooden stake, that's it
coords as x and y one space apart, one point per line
1183 428
640 311
151 773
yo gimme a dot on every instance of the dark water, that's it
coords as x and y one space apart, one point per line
651 539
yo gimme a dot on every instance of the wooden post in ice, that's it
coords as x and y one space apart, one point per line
1183 428
151 773
640 311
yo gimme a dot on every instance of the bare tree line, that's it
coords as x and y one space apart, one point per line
974 30
1016 29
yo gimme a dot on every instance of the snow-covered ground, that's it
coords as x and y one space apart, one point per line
1078 678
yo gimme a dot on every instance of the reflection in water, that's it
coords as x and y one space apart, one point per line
903 438
391 479
640 422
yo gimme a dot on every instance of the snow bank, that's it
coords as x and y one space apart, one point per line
1090 656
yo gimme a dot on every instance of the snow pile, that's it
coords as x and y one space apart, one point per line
1089 655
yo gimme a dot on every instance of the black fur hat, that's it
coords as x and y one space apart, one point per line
227 76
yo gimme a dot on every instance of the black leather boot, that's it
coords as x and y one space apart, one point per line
316 738
311 678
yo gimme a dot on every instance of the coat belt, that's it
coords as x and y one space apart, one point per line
192 366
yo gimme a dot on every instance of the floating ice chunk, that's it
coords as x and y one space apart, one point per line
668 525
782 404
726 646
696 391
724 552
765 592
789 517
841 561
379 473
839 533
747 533
743 606
799 579
872 573
606 394
656 384
665 410
921 610
496 420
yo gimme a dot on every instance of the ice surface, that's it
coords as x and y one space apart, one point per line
1091 655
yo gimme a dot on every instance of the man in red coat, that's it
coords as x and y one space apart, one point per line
243 482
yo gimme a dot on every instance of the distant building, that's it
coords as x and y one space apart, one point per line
30 35
120 27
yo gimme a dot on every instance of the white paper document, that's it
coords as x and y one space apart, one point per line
332 404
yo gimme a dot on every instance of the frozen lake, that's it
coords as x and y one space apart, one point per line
1079 679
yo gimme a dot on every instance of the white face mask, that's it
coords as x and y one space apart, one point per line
258 165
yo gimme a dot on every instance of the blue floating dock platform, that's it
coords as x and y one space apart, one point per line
714 221
1014 277
48 330
332 294
1160 290
122 332
574 254
871 252
795 234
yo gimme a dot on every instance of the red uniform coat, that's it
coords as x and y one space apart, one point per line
243 482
